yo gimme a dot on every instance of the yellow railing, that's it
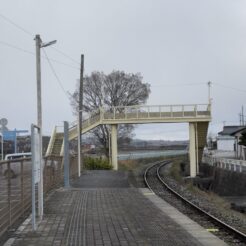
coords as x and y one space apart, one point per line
156 111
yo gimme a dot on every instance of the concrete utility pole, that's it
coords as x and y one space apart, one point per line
39 121
40 45
80 159
242 116
209 91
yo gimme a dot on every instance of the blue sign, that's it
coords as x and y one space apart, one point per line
9 135
12 136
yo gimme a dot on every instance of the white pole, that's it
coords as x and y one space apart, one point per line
2 146
33 178
114 147
40 45
39 120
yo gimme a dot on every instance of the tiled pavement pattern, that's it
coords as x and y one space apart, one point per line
104 216
102 179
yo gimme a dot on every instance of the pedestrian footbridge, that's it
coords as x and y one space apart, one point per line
197 115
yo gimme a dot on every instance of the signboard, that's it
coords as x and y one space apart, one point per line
9 135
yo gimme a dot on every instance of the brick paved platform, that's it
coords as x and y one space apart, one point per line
106 216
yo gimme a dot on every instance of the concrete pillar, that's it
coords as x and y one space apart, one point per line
114 148
193 149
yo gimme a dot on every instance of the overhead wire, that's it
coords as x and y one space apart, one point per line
55 74
229 87
32 35
16 25
32 53
64 54
70 58
175 85
16 47
196 84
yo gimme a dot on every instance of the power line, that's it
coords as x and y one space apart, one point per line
32 53
229 87
32 35
55 74
16 25
17 48
175 85
67 56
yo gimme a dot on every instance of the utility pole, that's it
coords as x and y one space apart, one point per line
80 159
39 121
39 45
209 92
242 116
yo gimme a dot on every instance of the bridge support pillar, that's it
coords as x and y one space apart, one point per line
193 150
114 148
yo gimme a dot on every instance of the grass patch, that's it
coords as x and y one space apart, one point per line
175 169
97 164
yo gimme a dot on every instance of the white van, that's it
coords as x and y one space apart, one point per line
18 156
15 166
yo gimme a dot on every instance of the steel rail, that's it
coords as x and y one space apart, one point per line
212 218
146 172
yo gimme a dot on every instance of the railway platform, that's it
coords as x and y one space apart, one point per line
102 208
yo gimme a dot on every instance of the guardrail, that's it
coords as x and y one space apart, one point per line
15 186
229 164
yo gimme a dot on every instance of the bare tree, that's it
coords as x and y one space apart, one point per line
115 89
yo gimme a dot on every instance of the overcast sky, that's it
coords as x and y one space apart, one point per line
172 43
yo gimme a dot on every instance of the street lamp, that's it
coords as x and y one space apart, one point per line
39 45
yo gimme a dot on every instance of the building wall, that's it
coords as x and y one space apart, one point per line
225 144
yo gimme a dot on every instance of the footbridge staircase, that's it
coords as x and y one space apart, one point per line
197 115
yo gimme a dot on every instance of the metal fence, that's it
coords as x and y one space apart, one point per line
15 186
225 163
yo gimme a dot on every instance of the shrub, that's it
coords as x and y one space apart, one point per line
97 164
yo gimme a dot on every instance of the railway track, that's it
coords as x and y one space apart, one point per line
157 184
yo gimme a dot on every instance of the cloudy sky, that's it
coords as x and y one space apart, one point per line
178 46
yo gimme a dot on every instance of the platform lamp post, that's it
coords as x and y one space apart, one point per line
39 45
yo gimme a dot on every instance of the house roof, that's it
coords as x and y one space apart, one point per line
229 130
243 128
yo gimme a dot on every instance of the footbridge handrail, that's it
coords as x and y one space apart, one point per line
145 111
157 111
89 119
